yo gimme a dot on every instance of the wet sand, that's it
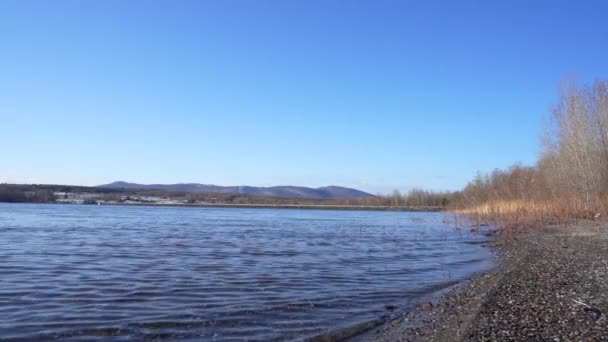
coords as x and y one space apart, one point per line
551 284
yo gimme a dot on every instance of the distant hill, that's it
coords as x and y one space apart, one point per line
327 192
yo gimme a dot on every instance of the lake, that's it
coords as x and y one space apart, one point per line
226 274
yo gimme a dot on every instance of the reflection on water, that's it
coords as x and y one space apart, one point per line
73 272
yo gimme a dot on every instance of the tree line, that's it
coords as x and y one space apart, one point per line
18 195
570 179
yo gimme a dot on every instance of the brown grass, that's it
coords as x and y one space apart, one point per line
522 214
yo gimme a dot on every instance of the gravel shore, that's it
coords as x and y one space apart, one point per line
550 285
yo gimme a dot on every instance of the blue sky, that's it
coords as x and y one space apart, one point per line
370 94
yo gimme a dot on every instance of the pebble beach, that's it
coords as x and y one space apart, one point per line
551 284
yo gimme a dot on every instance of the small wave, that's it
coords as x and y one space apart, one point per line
130 273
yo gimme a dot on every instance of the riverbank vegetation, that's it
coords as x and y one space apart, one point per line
570 179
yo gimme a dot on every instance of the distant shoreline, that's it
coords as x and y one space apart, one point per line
263 206
415 200
295 206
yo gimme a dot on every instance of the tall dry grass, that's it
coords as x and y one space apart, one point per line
522 214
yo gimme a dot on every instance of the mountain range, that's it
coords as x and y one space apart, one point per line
327 192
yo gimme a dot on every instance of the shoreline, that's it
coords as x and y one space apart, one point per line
293 206
549 283
368 330
258 206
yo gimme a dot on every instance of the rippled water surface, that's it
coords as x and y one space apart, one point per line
136 273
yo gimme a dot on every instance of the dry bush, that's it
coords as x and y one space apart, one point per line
570 181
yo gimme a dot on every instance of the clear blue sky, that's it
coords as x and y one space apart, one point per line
370 94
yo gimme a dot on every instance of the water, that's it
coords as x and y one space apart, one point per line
136 273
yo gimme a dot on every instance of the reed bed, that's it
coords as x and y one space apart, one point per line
523 214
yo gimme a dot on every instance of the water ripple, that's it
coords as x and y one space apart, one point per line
137 273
